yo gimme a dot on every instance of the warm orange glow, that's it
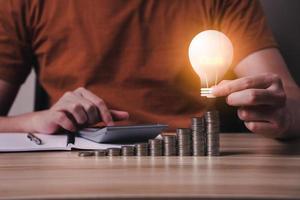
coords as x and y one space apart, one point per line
210 54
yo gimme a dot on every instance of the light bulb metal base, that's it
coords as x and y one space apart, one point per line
207 92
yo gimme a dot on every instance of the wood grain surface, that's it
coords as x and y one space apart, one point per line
250 167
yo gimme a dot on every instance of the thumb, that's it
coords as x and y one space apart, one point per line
218 90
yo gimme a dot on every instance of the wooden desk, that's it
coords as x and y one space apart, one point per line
250 167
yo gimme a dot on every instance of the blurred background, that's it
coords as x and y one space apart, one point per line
284 19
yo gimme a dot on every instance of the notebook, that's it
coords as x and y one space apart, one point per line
18 142
86 139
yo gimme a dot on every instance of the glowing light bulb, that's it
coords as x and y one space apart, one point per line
210 54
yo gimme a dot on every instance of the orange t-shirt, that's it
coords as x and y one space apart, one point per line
133 54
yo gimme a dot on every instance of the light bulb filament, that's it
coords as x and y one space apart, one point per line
214 61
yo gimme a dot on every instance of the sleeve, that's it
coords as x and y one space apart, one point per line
15 48
245 25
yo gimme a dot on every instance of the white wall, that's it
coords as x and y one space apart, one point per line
25 99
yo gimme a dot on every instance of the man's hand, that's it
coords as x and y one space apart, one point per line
75 109
261 100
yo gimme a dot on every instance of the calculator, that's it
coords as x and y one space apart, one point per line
122 134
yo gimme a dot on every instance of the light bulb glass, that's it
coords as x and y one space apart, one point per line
210 54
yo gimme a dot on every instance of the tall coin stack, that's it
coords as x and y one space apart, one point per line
213 129
155 147
198 136
184 141
169 145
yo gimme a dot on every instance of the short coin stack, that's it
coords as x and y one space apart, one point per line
184 139
113 151
169 145
86 153
141 149
212 130
127 151
198 136
155 147
100 152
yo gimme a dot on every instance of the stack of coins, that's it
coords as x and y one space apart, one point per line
86 153
169 148
113 151
141 149
201 139
100 152
127 150
198 136
155 147
184 141
213 130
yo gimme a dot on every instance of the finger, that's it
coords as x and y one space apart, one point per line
258 81
277 83
99 103
223 82
74 109
265 128
91 111
252 97
257 113
78 112
72 105
119 115
63 121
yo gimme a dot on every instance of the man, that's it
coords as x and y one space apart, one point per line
100 60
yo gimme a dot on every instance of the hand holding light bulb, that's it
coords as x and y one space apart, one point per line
262 103
260 97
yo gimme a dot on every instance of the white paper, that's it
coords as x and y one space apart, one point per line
18 142
14 142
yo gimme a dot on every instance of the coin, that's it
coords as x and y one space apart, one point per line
86 153
113 151
213 130
199 136
155 147
141 149
184 141
127 151
100 152
169 147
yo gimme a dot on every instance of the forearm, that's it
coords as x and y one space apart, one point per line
20 123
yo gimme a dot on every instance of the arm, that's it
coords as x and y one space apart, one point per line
267 96
73 110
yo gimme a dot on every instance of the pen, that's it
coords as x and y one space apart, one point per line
34 138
